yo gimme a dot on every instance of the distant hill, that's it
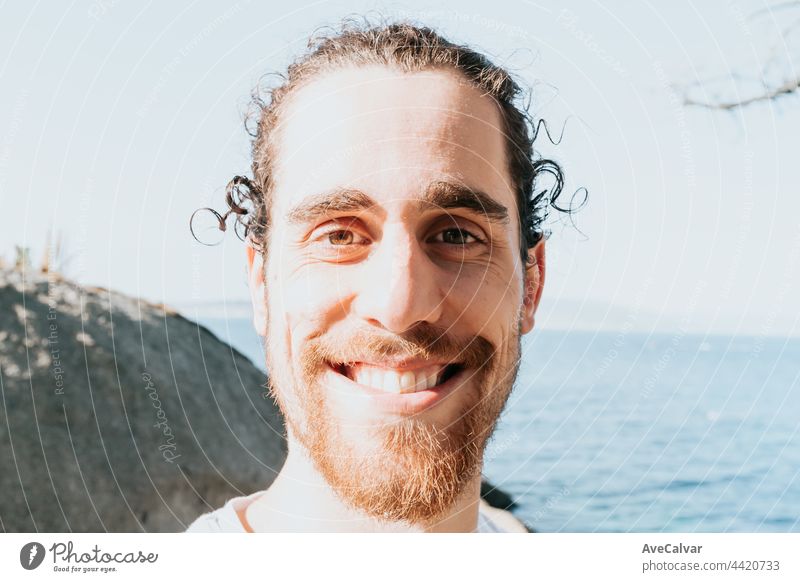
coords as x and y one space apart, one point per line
554 313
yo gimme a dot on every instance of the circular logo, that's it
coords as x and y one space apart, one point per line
31 555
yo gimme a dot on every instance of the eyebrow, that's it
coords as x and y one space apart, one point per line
440 194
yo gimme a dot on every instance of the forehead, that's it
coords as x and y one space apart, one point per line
390 134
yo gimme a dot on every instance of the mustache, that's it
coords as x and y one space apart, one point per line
425 341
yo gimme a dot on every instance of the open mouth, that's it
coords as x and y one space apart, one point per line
395 381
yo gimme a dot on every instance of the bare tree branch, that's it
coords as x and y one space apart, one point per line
774 7
780 62
785 89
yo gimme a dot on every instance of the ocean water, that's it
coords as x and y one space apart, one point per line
617 432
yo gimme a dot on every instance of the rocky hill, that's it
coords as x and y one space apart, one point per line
120 415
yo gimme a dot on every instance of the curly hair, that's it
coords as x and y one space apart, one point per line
408 48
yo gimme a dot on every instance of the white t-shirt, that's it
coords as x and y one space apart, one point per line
226 519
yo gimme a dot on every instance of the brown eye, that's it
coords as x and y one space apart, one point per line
340 237
457 236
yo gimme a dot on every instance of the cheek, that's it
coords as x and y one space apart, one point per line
488 302
298 309
304 302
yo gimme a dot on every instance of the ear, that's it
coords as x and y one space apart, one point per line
534 283
255 279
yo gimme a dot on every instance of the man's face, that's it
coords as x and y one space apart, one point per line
393 297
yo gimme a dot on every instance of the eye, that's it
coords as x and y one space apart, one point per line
457 236
339 235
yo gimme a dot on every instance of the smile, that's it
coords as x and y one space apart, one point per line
403 380
399 387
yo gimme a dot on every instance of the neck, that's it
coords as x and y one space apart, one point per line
300 500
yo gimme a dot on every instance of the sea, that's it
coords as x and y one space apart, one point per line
642 432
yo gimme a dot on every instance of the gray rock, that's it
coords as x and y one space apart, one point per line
121 415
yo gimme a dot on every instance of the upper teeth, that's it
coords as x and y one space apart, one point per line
396 381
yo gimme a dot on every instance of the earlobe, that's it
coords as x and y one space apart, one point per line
255 279
534 283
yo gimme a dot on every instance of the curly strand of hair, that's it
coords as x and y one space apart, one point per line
214 213
242 198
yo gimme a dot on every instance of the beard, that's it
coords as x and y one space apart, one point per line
408 469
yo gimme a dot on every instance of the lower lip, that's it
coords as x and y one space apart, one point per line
405 404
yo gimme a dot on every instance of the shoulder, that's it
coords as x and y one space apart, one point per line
223 520
217 521
494 520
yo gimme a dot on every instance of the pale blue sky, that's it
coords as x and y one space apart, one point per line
119 118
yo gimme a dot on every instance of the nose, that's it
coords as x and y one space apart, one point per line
400 286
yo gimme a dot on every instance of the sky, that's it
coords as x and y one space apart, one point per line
118 119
